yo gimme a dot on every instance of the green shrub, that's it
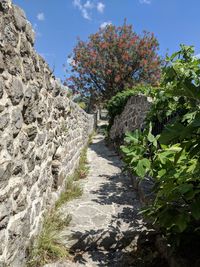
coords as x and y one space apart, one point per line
172 158
176 176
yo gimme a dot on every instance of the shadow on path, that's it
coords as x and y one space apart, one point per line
113 245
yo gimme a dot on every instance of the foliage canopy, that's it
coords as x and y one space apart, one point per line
113 59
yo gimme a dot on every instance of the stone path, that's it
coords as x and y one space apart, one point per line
105 224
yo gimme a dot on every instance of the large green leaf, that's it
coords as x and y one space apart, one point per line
181 221
142 167
184 188
171 132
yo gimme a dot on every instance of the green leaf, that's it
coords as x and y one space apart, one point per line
142 167
161 172
181 220
195 150
196 121
191 194
171 132
166 217
184 188
150 137
177 156
125 149
132 137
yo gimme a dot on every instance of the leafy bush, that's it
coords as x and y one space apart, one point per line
172 158
176 175
138 151
164 109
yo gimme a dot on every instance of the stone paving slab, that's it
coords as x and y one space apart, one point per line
105 219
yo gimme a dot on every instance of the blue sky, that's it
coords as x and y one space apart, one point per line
58 23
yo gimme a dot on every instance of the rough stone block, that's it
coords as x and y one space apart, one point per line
23 140
31 132
4 120
1 88
5 5
4 216
16 92
17 121
2 65
5 171
19 17
30 33
10 35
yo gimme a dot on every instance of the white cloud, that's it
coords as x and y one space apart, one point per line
100 7
40 16
105 24
145 2
86 7
89 5
85 14
77 3
83 8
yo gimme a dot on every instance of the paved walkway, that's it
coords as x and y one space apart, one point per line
105 224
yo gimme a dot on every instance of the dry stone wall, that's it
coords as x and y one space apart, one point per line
41 135
131 118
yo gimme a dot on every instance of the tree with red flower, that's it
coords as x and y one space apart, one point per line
113 59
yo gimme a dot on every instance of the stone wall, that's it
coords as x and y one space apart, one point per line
131 118
41 135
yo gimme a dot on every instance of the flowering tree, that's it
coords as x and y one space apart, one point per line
113 59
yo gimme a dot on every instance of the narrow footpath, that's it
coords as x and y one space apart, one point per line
105 224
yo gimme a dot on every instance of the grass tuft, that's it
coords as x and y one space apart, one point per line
91 136
72 191
49 247
82 171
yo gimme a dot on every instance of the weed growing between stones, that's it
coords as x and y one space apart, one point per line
82 171
49 246
72 188
72 191
90 138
